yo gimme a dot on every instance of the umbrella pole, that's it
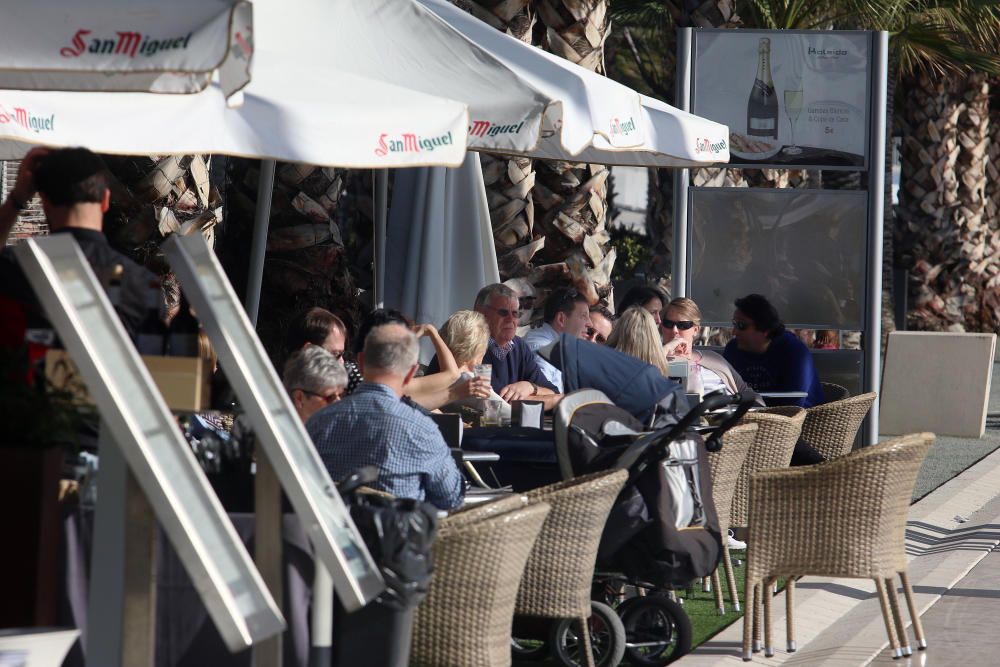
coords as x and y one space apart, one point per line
381 202
261 218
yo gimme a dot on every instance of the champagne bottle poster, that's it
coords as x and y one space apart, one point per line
789 98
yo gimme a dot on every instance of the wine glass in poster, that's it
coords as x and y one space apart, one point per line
789 98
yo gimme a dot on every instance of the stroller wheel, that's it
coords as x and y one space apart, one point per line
658 630
606 633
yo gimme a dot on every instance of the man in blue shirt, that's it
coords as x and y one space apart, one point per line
373 426
516 374
566 311
767 356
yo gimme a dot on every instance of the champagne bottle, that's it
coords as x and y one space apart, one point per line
762 108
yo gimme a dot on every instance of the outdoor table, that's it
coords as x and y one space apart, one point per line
784 394
527 456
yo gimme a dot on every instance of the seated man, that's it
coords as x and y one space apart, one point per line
768 357
314 379
566 311
516 374
373 426
601 324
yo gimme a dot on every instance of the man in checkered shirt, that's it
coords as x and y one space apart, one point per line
373 426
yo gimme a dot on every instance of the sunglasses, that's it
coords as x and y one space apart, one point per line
504 312
741 326
682 325
332 398
595 336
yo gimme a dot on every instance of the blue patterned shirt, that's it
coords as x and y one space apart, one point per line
374 427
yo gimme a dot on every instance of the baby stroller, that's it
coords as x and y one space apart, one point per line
663 530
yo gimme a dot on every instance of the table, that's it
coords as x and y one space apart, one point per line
527 455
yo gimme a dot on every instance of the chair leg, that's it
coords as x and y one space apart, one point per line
789 618
768 618
918 627
717 583
897 615
890 628
748 623
758 614
727 563
588 652
706 584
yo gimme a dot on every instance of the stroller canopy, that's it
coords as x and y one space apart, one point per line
628 382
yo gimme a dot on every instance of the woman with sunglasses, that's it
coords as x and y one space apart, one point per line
707 370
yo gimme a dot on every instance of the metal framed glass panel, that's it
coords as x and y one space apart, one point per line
274 419
152 444
803 249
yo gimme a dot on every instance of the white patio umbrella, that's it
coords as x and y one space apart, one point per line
597 117
126 45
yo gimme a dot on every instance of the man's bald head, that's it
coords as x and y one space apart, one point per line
390 348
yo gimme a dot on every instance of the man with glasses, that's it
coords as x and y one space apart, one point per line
314 379
566 311
375 427
601 324
516 373
768 357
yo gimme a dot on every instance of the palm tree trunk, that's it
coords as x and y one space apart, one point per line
941 213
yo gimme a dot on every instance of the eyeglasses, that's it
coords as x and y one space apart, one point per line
337 354
332 398
504 312
739 325
682 325
593 335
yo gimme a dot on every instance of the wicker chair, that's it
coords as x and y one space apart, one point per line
778 430
844 518
466 617
557 579
831 427
834 392
472 513
725 466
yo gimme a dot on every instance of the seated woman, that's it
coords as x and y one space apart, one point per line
466 334
707 371
636 334
435 389
646 296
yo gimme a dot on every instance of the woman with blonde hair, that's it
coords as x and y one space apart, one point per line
467 335
635 334
707 371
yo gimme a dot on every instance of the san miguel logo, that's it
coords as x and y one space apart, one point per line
124 43
619 127
28 120
707 146
484 128
409 143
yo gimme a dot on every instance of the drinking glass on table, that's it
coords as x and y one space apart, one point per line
491 412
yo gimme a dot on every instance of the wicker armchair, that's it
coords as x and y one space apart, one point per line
834 392
844 518
467 514
725 466
466 617
778 430
831 427
557 578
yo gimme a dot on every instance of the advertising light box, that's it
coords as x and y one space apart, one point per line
790 98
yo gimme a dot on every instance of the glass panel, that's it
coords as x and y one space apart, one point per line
802 249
